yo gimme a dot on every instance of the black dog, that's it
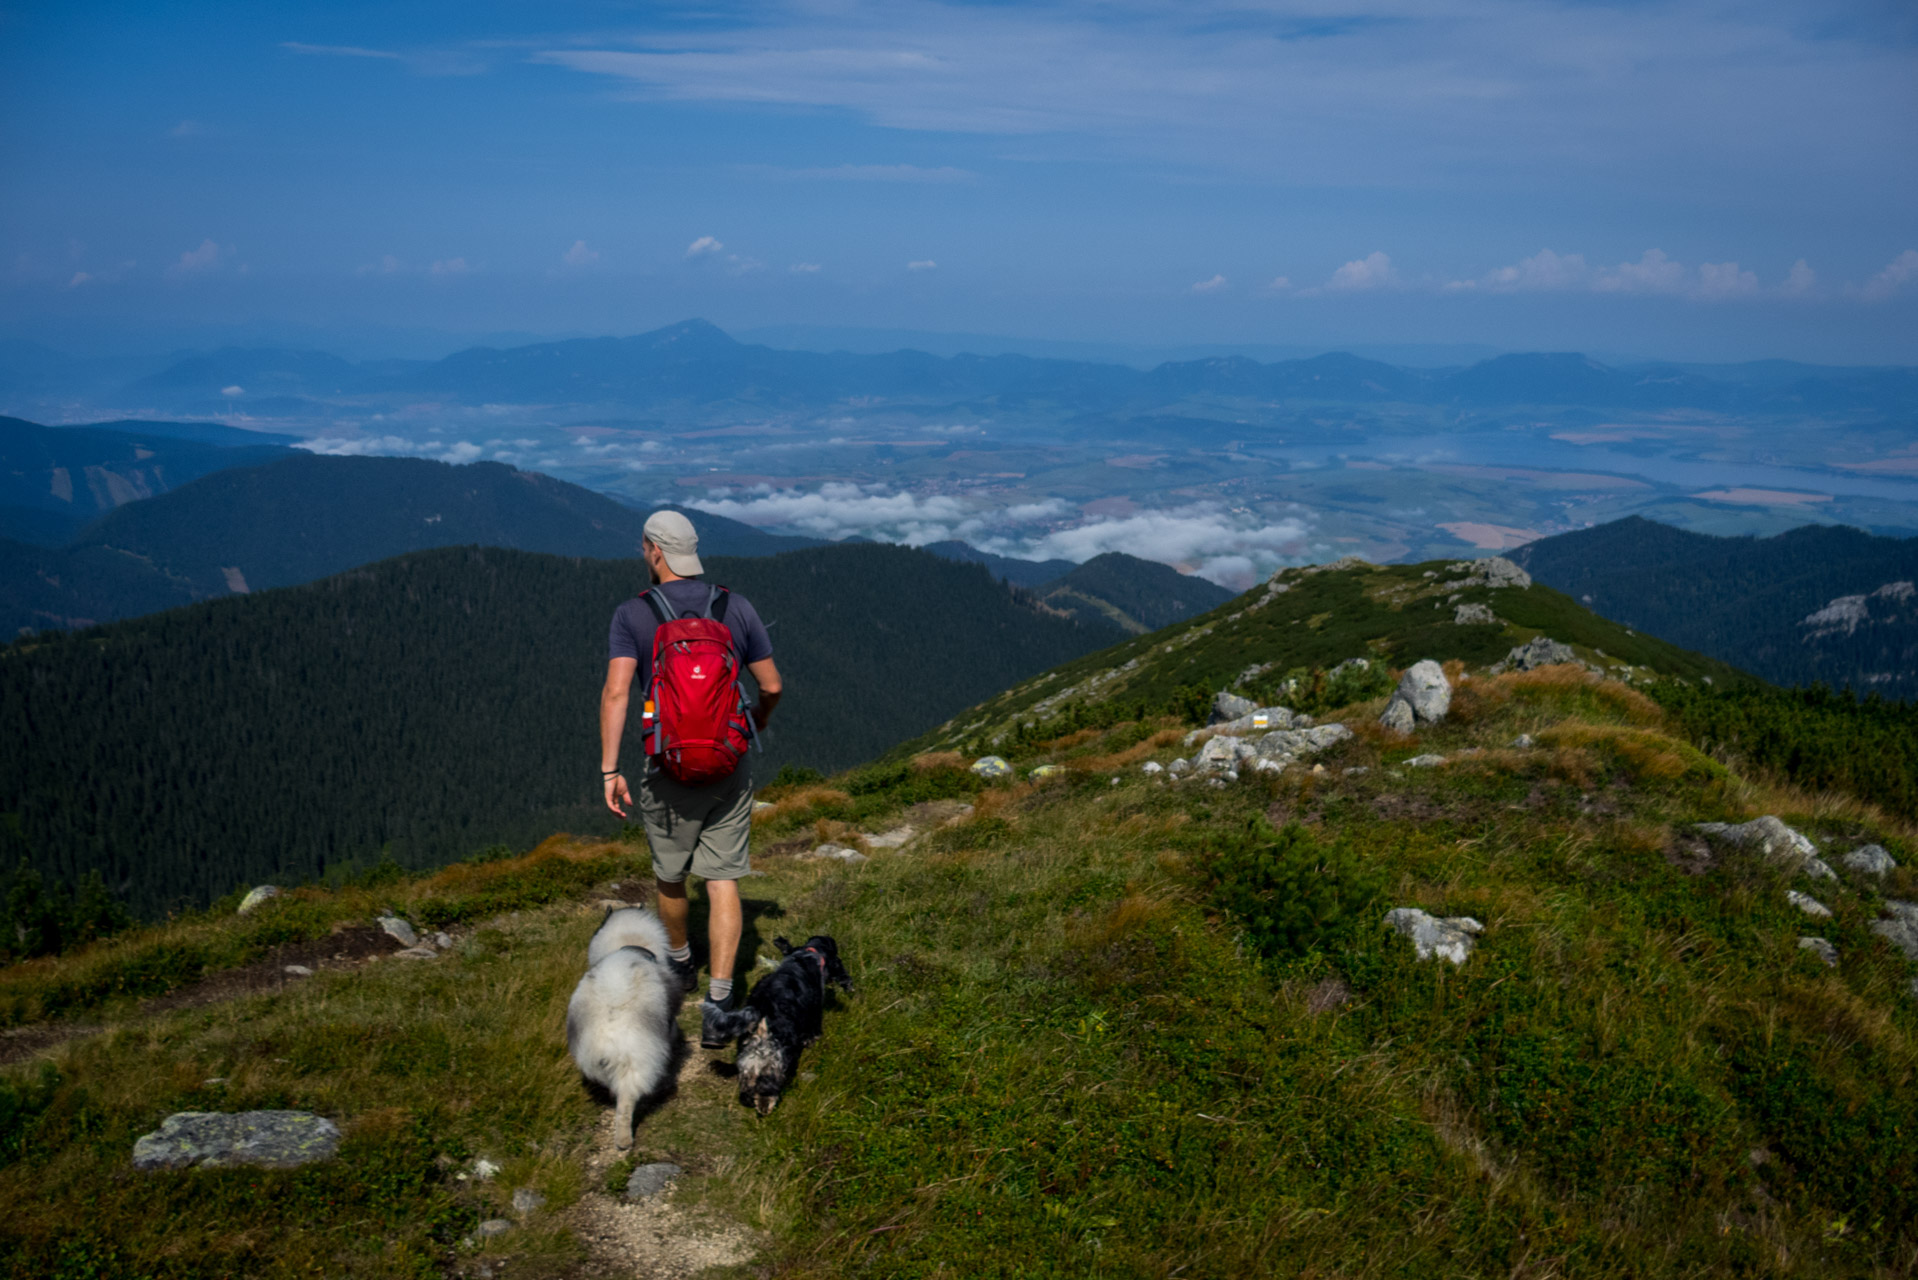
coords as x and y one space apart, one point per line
782 1016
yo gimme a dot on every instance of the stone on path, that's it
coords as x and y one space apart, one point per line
1871 859
1450 937
650 1179
400 931
1820 948
1424 691
1900 927
991 767
1807 904
216 1139
254 897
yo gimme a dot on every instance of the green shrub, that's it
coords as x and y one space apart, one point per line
1290 893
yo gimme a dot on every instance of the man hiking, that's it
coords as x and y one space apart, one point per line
695 793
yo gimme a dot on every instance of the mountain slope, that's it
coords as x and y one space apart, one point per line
1133 594
303 517
443 701
1821 602
54 480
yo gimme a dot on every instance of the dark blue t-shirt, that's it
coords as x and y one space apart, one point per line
634 623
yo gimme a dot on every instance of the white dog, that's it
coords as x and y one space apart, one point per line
621 1025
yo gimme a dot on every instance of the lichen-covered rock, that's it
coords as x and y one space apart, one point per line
1899 927
1494 571
256 896
991 767
1820 948
1871 860
649 1180
1398 716
1807 904
1774 840
1472 615
1047 771
1449 938
1223 752
1540 651
1230 706
400 931
216 1139
1286 745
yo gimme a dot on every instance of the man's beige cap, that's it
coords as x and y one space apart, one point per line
674 535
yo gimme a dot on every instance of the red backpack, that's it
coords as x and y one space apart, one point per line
699 728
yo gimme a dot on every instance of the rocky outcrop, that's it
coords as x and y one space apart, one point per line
1899 927
1449 937
1471 615
215 1139
1227 706
1257 720
1540 651
991 767
1494 571
1774 840
1871 860
1424 696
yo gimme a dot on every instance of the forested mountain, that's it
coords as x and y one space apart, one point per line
302 517
1819 603
54 480
1020 573
442 701
1133 594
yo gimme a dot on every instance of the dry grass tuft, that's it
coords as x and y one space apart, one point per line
1132 755
800 803
1647 753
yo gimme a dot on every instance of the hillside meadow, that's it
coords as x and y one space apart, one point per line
1106 1025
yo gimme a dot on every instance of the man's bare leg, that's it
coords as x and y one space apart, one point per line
724 924
673 910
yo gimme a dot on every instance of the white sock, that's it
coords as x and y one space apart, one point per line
681 953
721 990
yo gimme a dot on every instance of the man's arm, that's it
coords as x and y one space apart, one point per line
612 727
766 676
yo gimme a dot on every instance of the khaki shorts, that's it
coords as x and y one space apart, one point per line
707 829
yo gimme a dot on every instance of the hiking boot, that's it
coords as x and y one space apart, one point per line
685 972
712 1018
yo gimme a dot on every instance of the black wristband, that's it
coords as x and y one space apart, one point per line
609 773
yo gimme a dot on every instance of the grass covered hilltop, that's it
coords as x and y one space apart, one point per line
1108 1023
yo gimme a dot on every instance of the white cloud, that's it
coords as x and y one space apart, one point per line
395 447
462 451
451 267
186 129
388 265
338 50
233 391
579 255
196 261
803 268
1800 281
1652 273
79 278
1230 549
1213 285
1373 271
1280 284
923 264
1724 280
1899 272
702 246
840 509
1542 271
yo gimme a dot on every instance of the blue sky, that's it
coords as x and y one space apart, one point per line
1687 180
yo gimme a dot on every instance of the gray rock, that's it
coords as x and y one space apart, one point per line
650 1179
1772 838
1289 744
1495 572
254 897
1357 770
1222 752
833 852
1900 927
298 971
442 940
1257 720
1266 765
215 1139
1523 741
1398 716
1449 938
1470 615
1818 869
1350 664
400 931
1425 761
991 767
1230 706
1179 766
1424 686
1540 651
526 1200
893 839
421 952
493 1227
1871 859
1821 948
1807 904
1152 766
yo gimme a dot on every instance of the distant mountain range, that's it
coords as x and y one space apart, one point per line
694 362
267 516
442 701
1819 603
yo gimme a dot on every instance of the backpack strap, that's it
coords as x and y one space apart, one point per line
662 607
716 603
